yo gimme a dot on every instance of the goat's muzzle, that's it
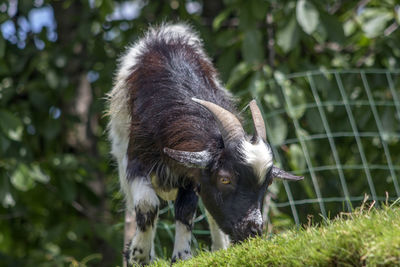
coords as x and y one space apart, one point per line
250 226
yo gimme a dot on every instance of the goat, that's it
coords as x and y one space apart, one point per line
176 133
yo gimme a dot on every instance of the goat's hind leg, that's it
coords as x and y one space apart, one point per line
145 203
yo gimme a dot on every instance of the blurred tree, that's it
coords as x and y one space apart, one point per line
58 188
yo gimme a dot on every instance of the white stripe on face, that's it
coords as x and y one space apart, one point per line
259 156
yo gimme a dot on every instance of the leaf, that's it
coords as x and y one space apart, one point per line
38 175
221 17
226 63
314 120
307 16
91 257
247 20
252 49
259 9
296 157
310 146
376 25
6 198
295 99
288 37
107 7
39 99
52 79
272 100
21 178
257 84
4 144
4 69
298 100
226 38
278 130
398 14
238 74
334 28
67 189
320 34
388 125
51 129
11 125
349 27
98 3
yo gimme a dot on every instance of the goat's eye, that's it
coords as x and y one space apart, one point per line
225 180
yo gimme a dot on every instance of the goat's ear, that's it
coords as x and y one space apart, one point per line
279 173
198 159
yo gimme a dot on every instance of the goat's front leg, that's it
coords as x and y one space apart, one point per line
145 203
220 240
185 209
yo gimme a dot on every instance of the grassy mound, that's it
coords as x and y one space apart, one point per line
363 238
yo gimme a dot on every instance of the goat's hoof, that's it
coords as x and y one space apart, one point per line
181 255
136 256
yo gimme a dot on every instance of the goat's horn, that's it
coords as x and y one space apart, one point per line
279 173
198 159
258 121
230 127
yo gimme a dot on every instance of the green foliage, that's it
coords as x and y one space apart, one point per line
10 125
364 238
307 16
288 36
59 197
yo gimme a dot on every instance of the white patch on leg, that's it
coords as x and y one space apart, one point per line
143 195
183 237
141 249
144 199
220 240
259 156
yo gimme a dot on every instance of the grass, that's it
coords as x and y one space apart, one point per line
362 238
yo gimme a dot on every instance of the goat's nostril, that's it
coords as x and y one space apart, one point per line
255 231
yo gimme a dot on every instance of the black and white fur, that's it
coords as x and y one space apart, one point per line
167 144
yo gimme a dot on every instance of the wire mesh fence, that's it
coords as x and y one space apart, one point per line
341 131
338 128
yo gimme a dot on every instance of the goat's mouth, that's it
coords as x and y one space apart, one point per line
235 234
250 225
240 234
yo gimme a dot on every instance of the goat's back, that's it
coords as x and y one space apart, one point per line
150 104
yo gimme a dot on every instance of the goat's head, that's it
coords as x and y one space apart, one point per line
233 180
